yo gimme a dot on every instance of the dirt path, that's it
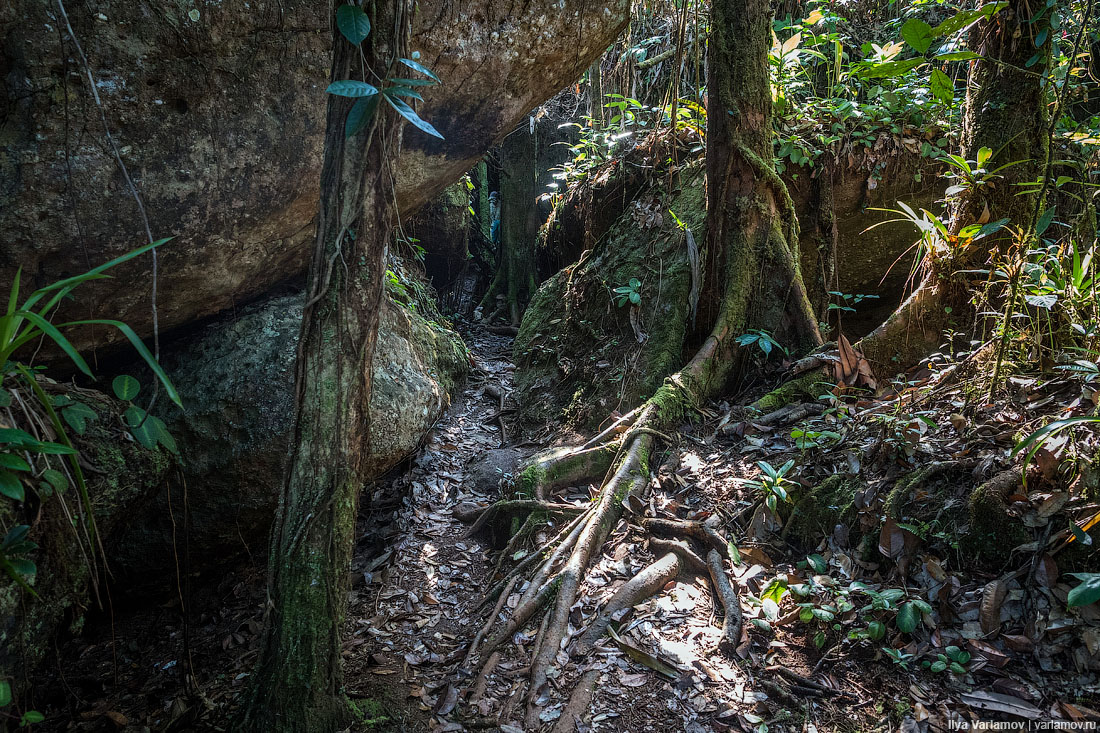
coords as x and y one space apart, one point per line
417 605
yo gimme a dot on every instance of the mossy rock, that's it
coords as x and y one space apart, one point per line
122 475
577 353
237 380
826 505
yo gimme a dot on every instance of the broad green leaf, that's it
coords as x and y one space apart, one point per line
13 462
55 479
817 562
417 66
25 440
1044 221
134 416
908 617
964 18
125 387
11 486
23 566
405 92
410 114
735 554
352 88
160 430
1087 592
353 23
942 87
360 114
876 630
77 416
5 398
144 434
5 693
33 716
939 666
917 34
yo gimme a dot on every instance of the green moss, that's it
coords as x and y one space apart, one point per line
805 387
577 352
993 531
368 714
826 505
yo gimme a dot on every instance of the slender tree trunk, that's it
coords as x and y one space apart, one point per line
1006 112
518 219
297 681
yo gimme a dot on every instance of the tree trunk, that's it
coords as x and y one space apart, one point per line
515 277
297 681
1006 112
752 277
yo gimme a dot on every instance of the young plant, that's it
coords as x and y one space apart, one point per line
773 483
953 660
763 340
629 293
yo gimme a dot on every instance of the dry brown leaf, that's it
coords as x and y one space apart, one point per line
993 595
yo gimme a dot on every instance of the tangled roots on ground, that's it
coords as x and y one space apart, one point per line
622 455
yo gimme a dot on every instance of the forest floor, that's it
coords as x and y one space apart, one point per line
822 614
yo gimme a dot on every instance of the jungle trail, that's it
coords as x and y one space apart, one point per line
657 365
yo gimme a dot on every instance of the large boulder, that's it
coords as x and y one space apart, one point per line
217 110
236 377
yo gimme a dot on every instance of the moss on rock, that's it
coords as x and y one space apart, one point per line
826 505
578 354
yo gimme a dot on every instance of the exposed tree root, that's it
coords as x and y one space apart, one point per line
578 703
643 585
560 467
509 507
689 559
685 528
489 623
727 594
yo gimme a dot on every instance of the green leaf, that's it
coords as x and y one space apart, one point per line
417 66
160 430
400 91
125 387
5 693
735 554
917 34
13 462
55 479
352 88
5 398
876 630
1088 592
964 18
142 351
806 615
942 87
33 716
908 617
145 434
23 566
353 23
1044 221
360 114
55 335
410 114
817 562
957 56
77 416
134 416
400 81
11 486
938 666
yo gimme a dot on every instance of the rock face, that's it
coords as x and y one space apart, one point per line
217 110
237 380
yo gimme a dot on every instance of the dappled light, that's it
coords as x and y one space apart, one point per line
552 367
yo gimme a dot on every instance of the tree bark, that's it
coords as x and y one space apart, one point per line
1006 112
752 277
298 678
